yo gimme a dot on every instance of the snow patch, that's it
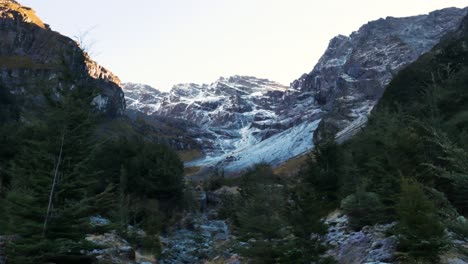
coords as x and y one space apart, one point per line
275 150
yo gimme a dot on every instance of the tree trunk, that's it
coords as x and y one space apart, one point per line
54 182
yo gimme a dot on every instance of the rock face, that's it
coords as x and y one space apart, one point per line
229 115
369 245
245 120
116 249
200 237
195 244
143 98
351 76
35 60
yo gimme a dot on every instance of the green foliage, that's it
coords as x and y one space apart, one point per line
51 190
8 137
150 180
228 209
154 171
363 208
216 181
55 173
261 216
421 234
8 108
263 201
324 170
276 219
454 173
418 131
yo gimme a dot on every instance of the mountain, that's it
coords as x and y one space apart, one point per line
231 113
37 64
352 75
65 146
411 155
35 61
143 98
248 120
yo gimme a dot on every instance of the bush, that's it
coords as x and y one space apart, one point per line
362 208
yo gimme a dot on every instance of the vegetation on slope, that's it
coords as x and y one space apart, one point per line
408 164
55 173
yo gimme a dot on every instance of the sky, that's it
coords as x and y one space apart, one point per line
166 42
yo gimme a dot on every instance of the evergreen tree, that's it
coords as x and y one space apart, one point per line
420 232
324 171
363 208
53 184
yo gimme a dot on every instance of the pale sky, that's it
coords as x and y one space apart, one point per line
165 42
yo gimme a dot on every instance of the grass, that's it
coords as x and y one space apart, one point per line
291 167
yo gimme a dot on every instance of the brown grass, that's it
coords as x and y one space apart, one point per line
189 155
188 171
291 167
26 12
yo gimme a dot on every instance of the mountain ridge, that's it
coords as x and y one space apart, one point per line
333 100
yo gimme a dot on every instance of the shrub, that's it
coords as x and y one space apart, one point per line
362 208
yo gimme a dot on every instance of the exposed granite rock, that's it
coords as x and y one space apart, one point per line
115 249
226 115
352 75
200 237
222 108
247 120
196 242
369 245
35 60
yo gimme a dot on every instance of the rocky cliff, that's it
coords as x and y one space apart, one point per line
352 75
230 114
248 120
33 58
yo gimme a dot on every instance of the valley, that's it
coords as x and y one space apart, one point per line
362 160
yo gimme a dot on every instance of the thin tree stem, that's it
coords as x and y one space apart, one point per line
54 182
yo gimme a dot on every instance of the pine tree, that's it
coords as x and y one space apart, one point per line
53 183
324 171
420 232
363 208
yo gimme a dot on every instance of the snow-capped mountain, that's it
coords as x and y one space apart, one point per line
232 111
247 120
142 97
352 75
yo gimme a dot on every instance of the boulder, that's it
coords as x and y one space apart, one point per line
369 245
113 249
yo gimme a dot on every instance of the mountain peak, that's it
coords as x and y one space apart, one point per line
247 120
246 85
